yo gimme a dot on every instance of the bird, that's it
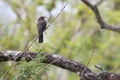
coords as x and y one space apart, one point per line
41 26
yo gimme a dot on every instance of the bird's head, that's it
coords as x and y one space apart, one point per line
41 18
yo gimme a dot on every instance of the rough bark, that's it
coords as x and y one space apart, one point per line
84 72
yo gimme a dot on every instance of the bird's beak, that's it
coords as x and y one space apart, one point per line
45 17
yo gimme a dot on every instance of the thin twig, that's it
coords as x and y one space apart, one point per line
91 56
31 43
100 2
57 15
49 26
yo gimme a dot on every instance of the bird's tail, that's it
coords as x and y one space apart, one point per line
41 38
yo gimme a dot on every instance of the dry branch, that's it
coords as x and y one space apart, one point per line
101 22
59 61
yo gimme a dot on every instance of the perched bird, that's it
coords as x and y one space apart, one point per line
41 25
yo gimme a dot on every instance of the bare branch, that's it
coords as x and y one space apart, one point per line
61 62
49 59
99 19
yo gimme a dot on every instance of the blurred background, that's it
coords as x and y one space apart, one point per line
75 34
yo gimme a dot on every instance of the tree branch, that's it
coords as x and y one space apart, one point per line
99 19
49 59
59 61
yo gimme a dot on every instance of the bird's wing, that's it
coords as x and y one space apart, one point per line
41 26
43 23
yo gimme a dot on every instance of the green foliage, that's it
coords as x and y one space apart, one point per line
50 6
30 70
75 34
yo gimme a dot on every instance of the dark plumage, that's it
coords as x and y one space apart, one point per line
41 25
